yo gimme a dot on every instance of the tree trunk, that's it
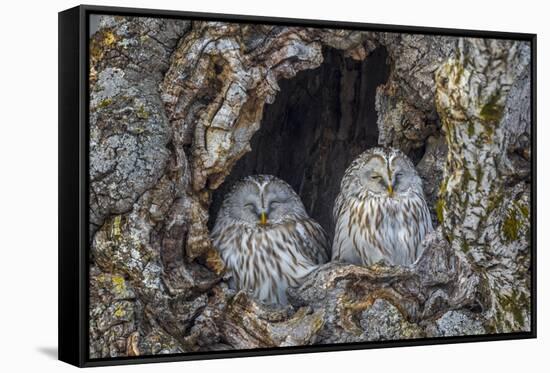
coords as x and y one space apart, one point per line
174 106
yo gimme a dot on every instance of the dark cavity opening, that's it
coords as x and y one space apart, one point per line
320 121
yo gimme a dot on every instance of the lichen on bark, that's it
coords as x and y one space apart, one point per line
174 105
482 215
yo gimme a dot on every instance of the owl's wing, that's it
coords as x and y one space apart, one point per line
337 206
315 241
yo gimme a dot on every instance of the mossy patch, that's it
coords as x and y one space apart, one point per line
459 71
515 304
141 113
439 207
489 134
492 111
119 285
524 210
101 41
116 228
109 38
464 246
495 200
479 174
510 227
471 129
514 221
104 103
119 312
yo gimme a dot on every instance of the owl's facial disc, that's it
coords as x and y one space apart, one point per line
257 214
265 209
264 205
260 216
375 177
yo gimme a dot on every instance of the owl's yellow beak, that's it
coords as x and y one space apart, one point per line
390 190
263 218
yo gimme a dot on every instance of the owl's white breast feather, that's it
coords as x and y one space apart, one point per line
266 261
370 229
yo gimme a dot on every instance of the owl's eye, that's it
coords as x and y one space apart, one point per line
249 206
399 174
375 177
274 204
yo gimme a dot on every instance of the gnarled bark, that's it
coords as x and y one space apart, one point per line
482 215
174 106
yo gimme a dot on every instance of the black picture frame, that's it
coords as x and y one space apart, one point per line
73 184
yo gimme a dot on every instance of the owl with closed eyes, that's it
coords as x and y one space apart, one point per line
266 238
380 212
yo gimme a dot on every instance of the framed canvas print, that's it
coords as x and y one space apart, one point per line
237 186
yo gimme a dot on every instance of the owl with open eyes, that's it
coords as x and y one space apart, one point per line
380 212
266 238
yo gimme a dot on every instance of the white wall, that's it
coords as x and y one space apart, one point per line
28 183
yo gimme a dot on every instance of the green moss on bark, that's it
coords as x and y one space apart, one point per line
439 207
491 112
514 222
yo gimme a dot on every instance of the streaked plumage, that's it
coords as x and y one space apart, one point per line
266 239
380 213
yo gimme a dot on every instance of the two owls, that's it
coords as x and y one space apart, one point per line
268 242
